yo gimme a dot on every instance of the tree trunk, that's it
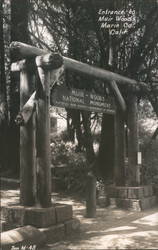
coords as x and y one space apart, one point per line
19 22
3 100
119 169
70 127
107 148
88 141
132 140
2 55
90 155
76 128
19 32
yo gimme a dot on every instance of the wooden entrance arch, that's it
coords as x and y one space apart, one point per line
34 130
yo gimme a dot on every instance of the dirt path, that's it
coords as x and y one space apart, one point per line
111 229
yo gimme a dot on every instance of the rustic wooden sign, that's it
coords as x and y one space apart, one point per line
83 100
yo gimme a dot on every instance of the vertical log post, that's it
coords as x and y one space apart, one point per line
132 140
27 145
119 169
44 64
91 179
91 196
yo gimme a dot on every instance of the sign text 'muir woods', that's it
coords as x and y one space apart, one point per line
83 100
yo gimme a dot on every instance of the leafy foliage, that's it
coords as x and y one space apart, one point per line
149 146
64 152
71 28
70 167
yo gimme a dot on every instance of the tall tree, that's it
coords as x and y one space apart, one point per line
19 32
3 99
74 31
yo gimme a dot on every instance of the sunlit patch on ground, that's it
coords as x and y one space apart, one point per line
151 220
123 228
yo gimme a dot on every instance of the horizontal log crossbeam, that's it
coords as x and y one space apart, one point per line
27 51
54 61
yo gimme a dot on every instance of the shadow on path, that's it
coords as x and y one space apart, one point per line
111 229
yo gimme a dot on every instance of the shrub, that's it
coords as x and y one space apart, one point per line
70 167
150 151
